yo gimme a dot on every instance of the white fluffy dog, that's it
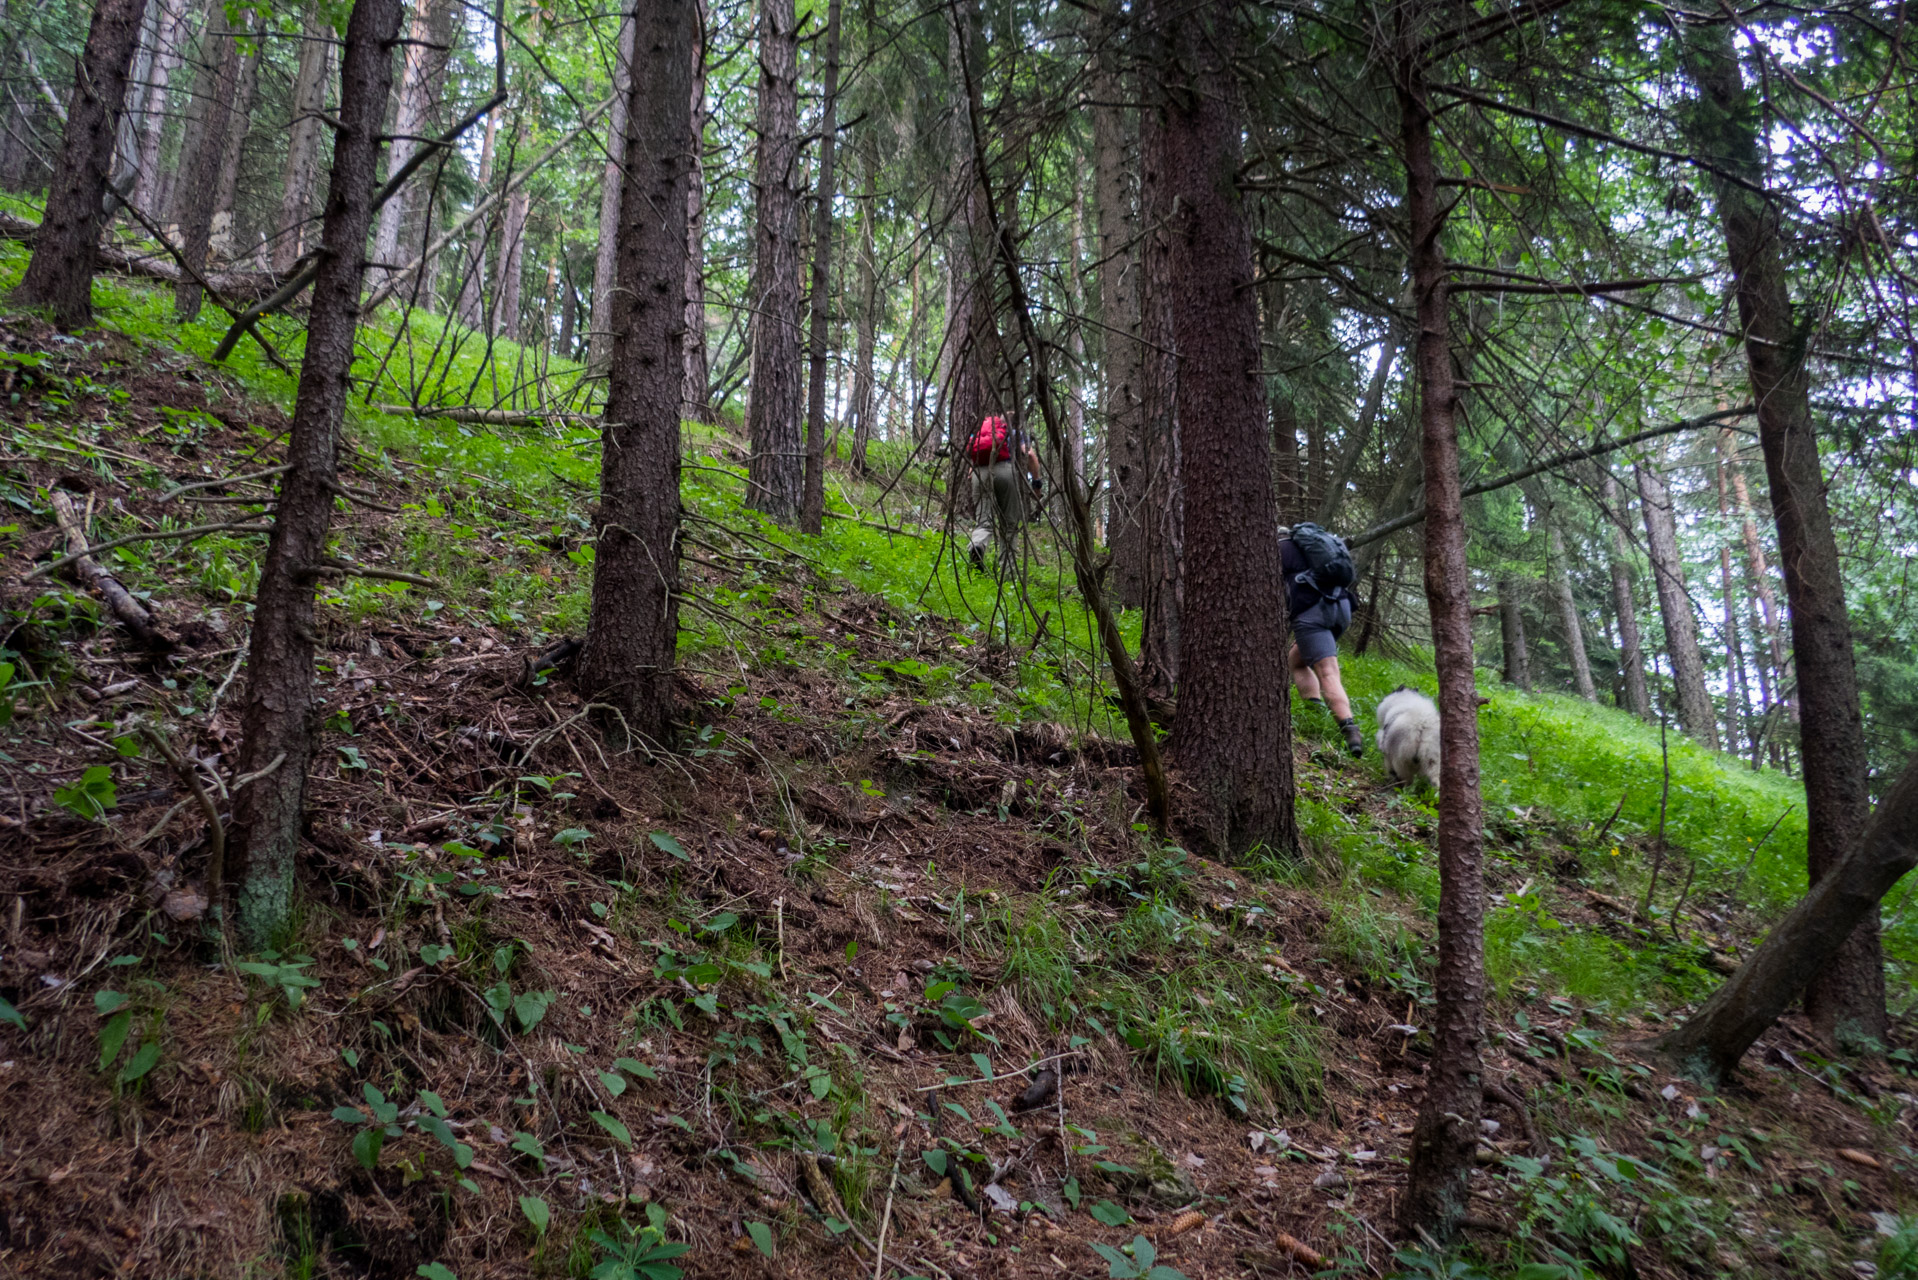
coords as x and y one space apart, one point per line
1409 735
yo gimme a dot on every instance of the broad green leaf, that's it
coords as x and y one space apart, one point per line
537 1212
1110 1214
9 1014
666 844
113 1037
621 1134
634 1067
614 1082
762 1236
105 1002
366 1146
530 1006
143 1062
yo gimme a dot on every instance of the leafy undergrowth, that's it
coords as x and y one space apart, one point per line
880 951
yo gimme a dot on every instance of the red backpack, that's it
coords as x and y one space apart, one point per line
991 443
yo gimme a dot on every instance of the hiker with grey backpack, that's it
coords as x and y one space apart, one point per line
1318 578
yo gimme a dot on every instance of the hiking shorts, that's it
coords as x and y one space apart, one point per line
1317 630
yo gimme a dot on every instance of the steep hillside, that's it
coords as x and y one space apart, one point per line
880 958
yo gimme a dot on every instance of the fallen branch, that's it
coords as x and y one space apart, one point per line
197 531
215 833
111 257
119 600
333 567
179 489
486 417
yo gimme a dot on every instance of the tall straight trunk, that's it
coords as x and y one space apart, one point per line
303 144
200 169
1569 617
1695 715
1738 721
600 344
568 312
1846 1000
1361 431
1761 584
1511 631
60 273
1162 500
1121 393
627 663
276 721
1631 648
512 263
412 114
972 335
169 47
1445 1135
471 305
1763 716
1288 463
126 146
225 234
813 506
696 389
1232 733
775 476
1076 346
866 299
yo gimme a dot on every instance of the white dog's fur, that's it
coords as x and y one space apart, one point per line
1409 735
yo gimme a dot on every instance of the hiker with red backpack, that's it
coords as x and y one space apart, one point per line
999 454
1318 575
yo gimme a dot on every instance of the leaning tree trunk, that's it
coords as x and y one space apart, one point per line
277 722
60 273
169 41
200 170
1121 396
303 144
1846 999
866 295
627 663
812 513
1511 634
1445 1135
1695 714
1569 617
599 345
1631 648
1806 943
1232 733
775 476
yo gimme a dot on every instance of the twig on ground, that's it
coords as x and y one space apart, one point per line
119 600
179 489
215 833
197 531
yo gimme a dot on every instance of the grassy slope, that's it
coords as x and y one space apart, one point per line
1202 977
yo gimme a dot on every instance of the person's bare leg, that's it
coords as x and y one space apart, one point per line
1326 671
1302 676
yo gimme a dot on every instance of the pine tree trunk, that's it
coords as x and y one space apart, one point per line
1695 714
1569 617
1445 1135
1767 601
696 389
471 306
126 146
200 169
868 301
1121 394
303 144
1231 734
1631 648
775 475
1738 720
1511 630
276 721
512 264
1846 1000
628 659
411 117
169 43
60 273
1162 500
1361 431
813 505
226 236
599 344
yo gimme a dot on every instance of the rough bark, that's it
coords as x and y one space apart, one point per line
126 147
627 663
1846 1000
512 263
775 476
813 504
277 719
1511 631
1761 584
1695 714
1121 394
1231 735
471 306
1569 617
1162 501
696 387
1738 718
199 189
605 256
420 81
226 236
867 299
303 144
1806 943
169 43
1631 648
1445 1135
60 273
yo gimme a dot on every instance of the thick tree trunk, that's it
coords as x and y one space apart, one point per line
60 273
866 289
1121 393
169 48
599 345
775 475
1846 1000
1806 943
1162 500
1569 617
512 263
628 659
696 389
1445 1135
424 68
1631 648
1231 734
200 168
277 720
813 505
1695 713
1511 631
977 360
303 144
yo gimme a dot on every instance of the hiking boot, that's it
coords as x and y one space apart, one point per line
977 554
1354 737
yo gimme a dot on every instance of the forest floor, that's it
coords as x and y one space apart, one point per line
881 953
